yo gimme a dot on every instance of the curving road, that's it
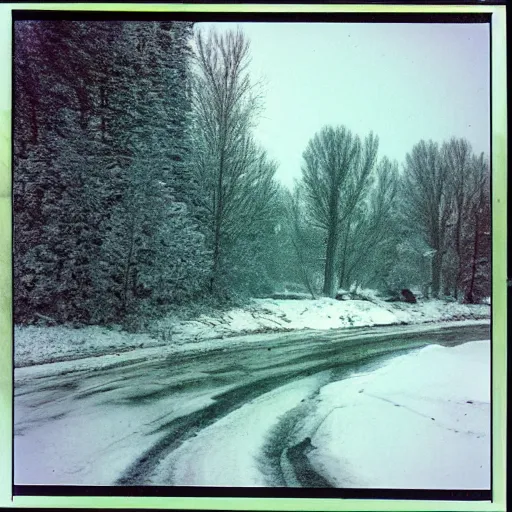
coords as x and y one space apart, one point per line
150 421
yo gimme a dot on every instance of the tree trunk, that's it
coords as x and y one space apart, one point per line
303 270
218 221
34 126
103 104
457 278
470 294
127 271
343 264
330 260
437 265
458 250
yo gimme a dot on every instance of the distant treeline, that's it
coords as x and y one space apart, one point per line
138 186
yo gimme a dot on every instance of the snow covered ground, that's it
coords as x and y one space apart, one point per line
420 421
74 443
126 403
228 453
38 345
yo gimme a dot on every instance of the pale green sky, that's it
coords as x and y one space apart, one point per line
406 82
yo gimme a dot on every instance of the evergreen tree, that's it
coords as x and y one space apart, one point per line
103 191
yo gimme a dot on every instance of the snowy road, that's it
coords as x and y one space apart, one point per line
169 421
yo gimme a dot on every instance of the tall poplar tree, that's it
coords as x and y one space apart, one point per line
236 175
336 173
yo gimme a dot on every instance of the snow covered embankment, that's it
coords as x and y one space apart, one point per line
267 315
421 421
38 345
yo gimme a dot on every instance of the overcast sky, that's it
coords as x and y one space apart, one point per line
406 82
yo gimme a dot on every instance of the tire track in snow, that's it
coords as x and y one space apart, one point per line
285 453
181 429
184 428
347 354
284 458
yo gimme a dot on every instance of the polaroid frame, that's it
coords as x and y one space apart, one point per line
499 269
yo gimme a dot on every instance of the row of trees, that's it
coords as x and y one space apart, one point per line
138 185
447 192
137 182
356 217
428 226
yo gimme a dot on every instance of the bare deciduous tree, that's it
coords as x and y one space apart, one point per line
236 175
427 201
336 172
299 237
477 280
368 230
465 182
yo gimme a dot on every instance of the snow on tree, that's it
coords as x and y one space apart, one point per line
104 115
237 176
305 239
476 236
52 161
464 187
446 197
370 232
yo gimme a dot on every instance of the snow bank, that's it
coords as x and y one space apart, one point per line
37 345
438 311
420 421
267 315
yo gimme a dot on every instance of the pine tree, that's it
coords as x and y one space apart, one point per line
49 172
103 193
